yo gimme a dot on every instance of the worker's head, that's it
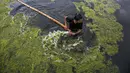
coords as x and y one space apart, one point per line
78 18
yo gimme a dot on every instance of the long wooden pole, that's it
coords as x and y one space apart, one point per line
54 20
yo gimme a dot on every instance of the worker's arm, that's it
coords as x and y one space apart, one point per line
75 33
66 27
65 20
79 31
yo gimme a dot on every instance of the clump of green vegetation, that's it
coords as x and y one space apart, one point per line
23 50
104 25
20 46
60 40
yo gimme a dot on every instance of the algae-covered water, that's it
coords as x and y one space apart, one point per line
31 43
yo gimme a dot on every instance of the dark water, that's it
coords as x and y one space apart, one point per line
57 9
122 59
61 8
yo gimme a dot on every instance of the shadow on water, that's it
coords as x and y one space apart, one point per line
122 58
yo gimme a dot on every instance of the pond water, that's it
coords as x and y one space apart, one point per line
122 59
60 8
56 9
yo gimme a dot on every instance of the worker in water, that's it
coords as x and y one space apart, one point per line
74 24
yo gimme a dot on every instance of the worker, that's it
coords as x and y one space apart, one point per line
74 24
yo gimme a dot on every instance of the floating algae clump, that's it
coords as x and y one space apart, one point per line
59 39
104 23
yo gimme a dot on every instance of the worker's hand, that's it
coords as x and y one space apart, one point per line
65 17
65 28
71 33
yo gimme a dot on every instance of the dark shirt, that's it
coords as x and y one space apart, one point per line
72 26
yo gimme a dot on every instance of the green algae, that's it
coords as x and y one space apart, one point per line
23 50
